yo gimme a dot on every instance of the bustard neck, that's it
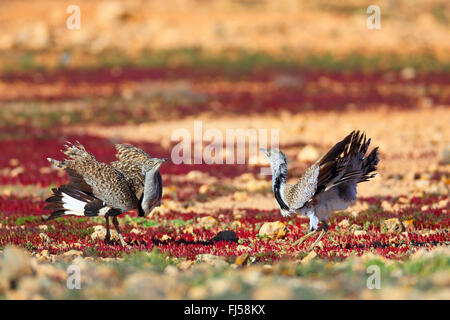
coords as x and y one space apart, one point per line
278 182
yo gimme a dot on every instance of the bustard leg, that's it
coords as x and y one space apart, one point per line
108 232
302 239
324 230
116 225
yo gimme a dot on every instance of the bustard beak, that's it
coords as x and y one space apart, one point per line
265 151
160 162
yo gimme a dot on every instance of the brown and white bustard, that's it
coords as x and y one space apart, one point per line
328 185
99 189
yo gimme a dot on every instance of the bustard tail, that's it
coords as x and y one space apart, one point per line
67 200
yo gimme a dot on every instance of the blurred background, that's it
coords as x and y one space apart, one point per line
136 71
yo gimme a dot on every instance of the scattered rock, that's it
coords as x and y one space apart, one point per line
309 257
408 225
203 189
171 270
242 259
73 253
238 214
360 232
100 233
393 225
185 264
236 224
165 237
136 231
273 230
355 227
408 73
207 222
45 238
344 224
226 235
211 259
198 293
354 214
16 264
308 154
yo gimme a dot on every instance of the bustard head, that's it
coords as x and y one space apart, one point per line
276 158
152 165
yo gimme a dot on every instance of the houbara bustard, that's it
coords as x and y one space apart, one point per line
328 185
99 189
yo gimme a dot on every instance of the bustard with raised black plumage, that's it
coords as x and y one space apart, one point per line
328 185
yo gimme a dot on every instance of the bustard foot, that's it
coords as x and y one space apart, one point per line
322 233
122 240
324 229
302 239
317 240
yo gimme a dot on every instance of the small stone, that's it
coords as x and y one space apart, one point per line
408 225
171 270
236 224
273 230
203 189
360 233
242 259
216 261
408 73
393 225
14 162
136 231
238 214
344 224
309 257
73 254
185 264
16 263
308 154
45 238
226 235
355 227
100 233
165 237
354 214
207 222
386 206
